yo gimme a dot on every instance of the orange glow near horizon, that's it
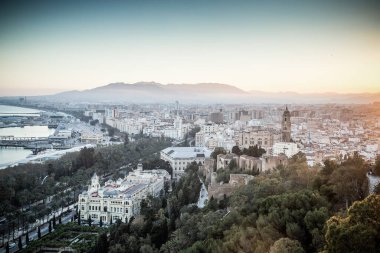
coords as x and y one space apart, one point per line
274 47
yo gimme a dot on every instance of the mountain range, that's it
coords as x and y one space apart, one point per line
152 92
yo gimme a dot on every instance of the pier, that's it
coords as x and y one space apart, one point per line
20 113
22 141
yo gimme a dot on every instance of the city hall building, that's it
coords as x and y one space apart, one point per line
120 199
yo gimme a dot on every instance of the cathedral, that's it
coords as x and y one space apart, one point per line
286 126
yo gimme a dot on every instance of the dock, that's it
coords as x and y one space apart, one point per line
11 141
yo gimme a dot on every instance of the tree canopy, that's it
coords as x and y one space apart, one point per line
359 231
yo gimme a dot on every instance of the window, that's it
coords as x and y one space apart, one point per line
105 209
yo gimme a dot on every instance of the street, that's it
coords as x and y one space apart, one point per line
33 233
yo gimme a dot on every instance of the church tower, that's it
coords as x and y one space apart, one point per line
286 126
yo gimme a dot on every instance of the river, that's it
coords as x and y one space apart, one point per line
11 154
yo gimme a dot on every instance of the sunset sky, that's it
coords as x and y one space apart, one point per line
303 46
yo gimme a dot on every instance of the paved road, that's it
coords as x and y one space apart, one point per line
33 234
203 196
373 181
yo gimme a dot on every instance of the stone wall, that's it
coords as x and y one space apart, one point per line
218 190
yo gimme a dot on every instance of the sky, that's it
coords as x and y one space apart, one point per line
285 45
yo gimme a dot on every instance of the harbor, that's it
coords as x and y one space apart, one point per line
28 135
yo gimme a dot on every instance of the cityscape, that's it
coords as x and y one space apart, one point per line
257 134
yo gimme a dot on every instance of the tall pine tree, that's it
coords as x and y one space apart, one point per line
19 243
102 244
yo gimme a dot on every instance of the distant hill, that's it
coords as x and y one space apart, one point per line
148 92
152 92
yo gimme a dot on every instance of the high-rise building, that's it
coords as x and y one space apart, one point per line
217 117
286 126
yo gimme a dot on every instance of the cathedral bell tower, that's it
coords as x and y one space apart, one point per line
286 126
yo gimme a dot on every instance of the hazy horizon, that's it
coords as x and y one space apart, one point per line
276 46
52 91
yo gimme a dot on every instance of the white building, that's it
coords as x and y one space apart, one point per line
180 157
200 139
64 133
287 148
154 178
98 116
90 137
224 138
210 128
120 199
